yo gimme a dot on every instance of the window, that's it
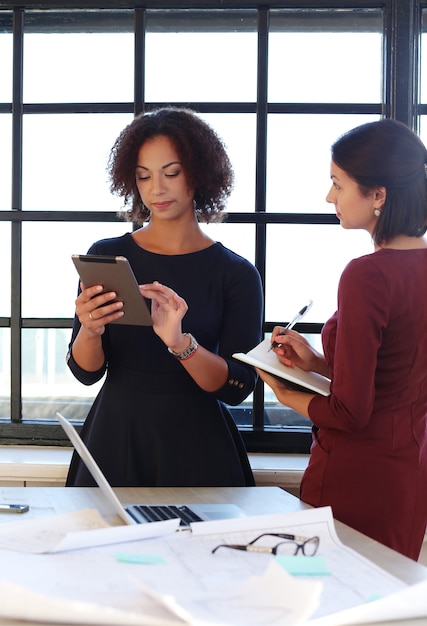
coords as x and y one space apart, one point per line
279 84
422 120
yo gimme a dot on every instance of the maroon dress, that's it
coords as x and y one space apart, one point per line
369 452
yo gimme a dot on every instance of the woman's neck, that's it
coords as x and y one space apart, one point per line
170 237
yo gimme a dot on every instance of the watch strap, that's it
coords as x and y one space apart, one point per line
189 351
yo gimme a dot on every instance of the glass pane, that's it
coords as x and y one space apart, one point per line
5 257
310 60
423 60
242 413
47 383
78 66
64 161
298 159
4 373
47 249
305 262
238 131
6 64
5 161
197 53
239 238
276 414
423 129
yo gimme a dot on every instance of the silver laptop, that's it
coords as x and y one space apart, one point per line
143 513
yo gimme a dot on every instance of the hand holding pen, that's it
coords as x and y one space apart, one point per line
294 321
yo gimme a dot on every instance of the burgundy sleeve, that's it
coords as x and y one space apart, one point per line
363 305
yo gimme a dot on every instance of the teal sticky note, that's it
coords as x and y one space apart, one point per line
304 565
141 559
374 597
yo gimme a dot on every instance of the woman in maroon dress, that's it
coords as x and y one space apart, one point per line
369 452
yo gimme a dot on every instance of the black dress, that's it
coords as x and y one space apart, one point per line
151 425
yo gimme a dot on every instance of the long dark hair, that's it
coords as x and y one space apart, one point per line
388 154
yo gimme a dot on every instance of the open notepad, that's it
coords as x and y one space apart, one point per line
261 358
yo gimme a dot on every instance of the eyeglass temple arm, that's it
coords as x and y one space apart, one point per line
265 549
233 546
291 537
299 538
248 548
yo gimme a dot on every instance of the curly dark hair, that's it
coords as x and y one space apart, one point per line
202 154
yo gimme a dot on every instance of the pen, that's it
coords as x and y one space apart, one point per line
14 508
292 323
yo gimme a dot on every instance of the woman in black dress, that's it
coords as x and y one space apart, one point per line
160 418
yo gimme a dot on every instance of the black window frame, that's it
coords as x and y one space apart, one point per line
402 28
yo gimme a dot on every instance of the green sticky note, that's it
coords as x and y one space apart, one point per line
141 559
304 565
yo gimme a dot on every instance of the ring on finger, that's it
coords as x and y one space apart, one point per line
90 316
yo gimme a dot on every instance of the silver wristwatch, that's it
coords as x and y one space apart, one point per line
191 349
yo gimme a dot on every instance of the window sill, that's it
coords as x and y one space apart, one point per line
33 466
39 466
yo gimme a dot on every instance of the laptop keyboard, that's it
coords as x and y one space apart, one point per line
158 513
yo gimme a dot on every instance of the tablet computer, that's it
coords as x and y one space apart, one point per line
114 273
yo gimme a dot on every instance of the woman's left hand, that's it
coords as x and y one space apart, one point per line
167 311
279 387
297 400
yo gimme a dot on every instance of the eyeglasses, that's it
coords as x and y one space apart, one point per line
267 543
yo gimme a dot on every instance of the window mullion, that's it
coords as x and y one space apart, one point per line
402 62
261 179
16 230
139 77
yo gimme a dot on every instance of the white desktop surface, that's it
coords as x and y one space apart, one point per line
253 500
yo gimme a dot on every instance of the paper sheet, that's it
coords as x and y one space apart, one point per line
229 587
409 603
19 603
274 598
353 580
75 530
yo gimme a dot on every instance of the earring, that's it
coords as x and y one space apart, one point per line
377 212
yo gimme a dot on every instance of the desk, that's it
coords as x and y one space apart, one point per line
253 500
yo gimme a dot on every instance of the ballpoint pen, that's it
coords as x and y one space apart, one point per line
292 323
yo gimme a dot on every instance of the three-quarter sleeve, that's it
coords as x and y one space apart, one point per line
83 376
241 330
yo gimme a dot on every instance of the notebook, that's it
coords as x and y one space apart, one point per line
143 513
266 360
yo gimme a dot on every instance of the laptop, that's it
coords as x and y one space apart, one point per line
145 513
